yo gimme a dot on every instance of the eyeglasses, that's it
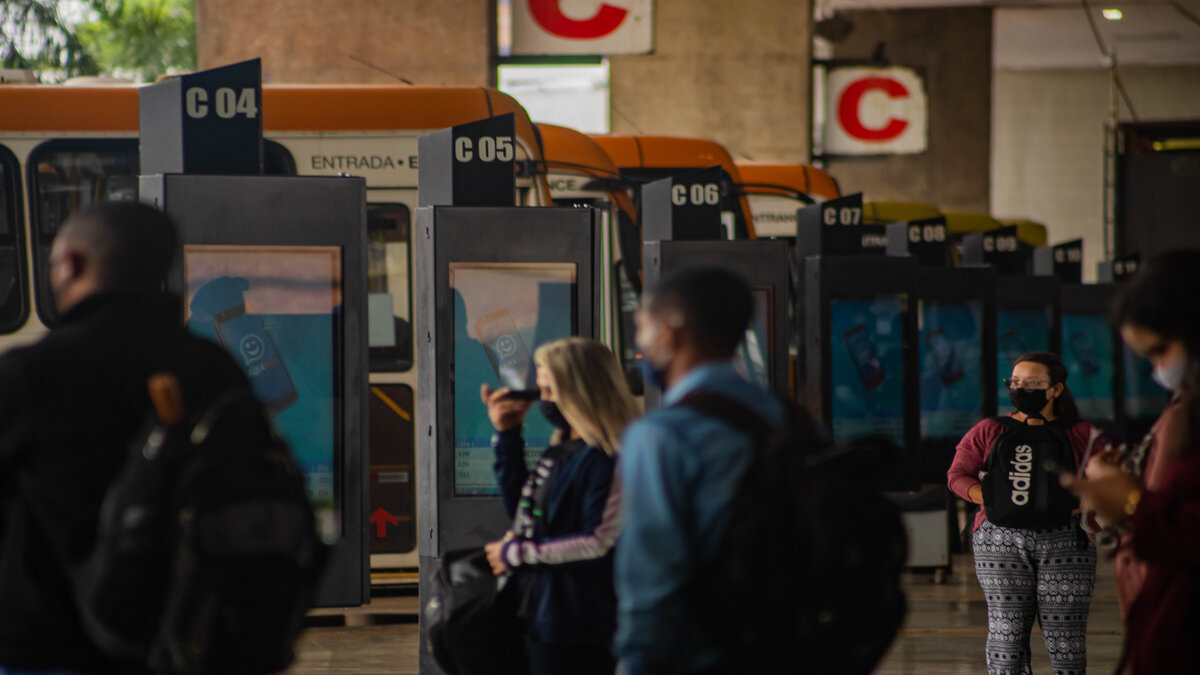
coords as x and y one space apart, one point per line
1018 383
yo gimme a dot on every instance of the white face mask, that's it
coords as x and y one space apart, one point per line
1170 377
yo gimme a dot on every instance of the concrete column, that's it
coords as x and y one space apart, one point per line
734 72
310 41
952 48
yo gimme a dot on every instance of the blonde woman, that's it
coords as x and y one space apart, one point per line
566 511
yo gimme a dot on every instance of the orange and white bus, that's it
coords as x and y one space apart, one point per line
776 191
642 159
63 148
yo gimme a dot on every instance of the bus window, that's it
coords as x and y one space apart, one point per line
277 160
12 295
389 296
66 176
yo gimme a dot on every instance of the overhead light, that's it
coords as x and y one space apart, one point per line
1111 14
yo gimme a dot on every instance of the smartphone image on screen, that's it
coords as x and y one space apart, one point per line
1085 353
505 349
1011 347
246 338
945 357
865 356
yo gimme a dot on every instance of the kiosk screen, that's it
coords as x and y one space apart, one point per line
277 309
951 349
753 358
502 313
1088 356
1144 399
866 365
1018 331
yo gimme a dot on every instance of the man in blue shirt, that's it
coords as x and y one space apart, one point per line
680 469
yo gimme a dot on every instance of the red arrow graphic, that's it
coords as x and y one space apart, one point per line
381 519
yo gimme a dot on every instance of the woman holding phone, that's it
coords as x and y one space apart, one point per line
1157 511
566 510
1031 557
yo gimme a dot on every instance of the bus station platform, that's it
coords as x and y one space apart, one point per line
943 634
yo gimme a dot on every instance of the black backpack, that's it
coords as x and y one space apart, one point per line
207 554
1019 478
809 569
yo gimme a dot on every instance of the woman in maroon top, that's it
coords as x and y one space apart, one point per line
1031 557
1158 313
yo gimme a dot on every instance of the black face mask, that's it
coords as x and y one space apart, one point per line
1030 402
553 415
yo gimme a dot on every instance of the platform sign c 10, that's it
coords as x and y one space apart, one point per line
1068 261
835 227
209 122
470 164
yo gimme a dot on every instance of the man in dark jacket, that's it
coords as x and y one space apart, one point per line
70 405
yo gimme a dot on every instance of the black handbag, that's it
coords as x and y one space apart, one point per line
471 617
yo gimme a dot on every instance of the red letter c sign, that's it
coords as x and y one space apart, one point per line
549 16
851 98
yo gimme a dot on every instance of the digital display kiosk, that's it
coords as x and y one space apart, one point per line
274 270
1090 351
765 266
956 342
861 365
492 285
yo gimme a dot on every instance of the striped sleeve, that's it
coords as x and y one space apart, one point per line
573 548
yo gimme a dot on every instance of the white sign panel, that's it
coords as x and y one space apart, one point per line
775 215
581 26
875 111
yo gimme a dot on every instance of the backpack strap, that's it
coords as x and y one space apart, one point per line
728 410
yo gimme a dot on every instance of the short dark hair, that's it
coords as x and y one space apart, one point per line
715 305
132 244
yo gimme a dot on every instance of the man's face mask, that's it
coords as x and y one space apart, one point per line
652 341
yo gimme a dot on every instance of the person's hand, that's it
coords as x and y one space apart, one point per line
1111 494
975 494
505 413
492 550
1102 463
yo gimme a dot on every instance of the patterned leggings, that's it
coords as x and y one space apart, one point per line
1028 572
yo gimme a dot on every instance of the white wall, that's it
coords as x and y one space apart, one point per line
1048 142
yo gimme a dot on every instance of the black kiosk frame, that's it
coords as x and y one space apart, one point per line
322 216
764 264
830 279
481 236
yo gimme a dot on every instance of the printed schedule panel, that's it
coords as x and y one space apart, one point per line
273 309
502 313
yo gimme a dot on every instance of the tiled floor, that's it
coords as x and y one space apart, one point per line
943 635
